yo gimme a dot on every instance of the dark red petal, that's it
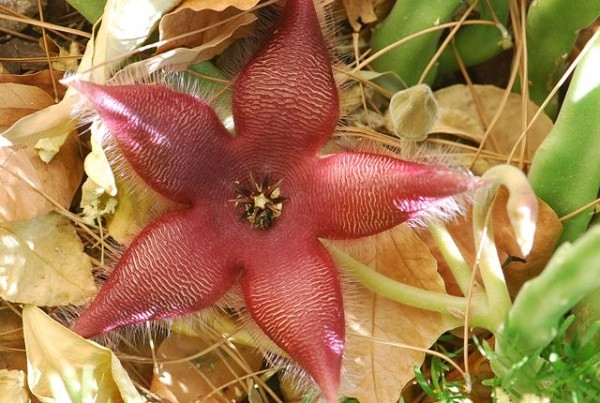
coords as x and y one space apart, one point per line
174 141
359 194
175 266
293 292
285 101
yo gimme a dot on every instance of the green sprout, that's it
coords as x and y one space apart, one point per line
568 370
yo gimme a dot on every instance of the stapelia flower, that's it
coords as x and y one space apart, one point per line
257 203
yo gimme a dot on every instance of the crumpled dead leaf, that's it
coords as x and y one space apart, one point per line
40 79
208 16
18 100
96 163
459 116
57 180
12 387
517 272
220 22
360 10
126 24
209 377
42 263
376 372
58 357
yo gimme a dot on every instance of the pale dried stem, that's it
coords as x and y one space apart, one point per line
580 210
480 110
46 51
247 376
503 102
47 25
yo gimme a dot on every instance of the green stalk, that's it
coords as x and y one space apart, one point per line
532 323
460 269
408 17
522 211
490 268
449 305
478 43
565 171
552 28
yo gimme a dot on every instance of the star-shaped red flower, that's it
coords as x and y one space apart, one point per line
257 203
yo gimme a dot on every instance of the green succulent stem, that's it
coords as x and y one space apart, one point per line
587 315
547 54
489 265
498 298
533 321
475 43
478 43
565 171
458 266
408 17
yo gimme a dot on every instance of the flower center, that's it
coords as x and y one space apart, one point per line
262 202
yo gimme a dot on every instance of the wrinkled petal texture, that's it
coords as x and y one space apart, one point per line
285 106
285 101
293 292
175 266
362 194
170 154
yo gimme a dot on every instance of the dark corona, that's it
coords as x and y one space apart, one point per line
262 202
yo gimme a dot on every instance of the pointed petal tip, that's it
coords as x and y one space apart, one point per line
92 92
80 85
329 380
445 181
82 327
326 373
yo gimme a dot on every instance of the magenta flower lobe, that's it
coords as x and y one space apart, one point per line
257 203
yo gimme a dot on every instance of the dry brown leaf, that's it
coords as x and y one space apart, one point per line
458 115
11 339
377 372
18 100
204 378
20 164
360 11
57 180
40 79
547 233
193 15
